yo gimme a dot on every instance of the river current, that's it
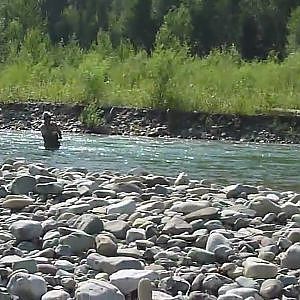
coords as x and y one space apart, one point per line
275 166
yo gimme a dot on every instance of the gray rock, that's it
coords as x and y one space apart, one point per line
189 206
212 282
118 228
111 265
105 245
56 295
258 268
182 179
26 230
290 259
97 290
79 241
124 207
234 191
89 223
271 288
135 234
23 185
201 256
177 225
294 235
51 188
27 286
263 205
247 282
26 264
125 187
216 240
204 213
244 293
127 280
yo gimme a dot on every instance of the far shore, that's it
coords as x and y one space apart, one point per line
280 126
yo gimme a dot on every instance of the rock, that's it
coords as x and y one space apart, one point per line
263 205
134 234
78 241
216 240
294 235
212 283
258 268
271 288
26 264
204 213
105 245
244 293
26 230
201 256
125 187
111 265
182 179
189 206
118 228
89 223
51 188
124 207
23 185
27 286
290 259
16 201
97 290
127 280
177 225
56 295
234 191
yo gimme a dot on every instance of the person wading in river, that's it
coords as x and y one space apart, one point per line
50 132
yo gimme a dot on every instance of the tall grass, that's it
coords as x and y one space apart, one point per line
168 78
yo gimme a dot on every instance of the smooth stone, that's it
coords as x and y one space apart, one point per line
234 191
245 293
56 295
26 264
258 268
26 230
124 207
111 265
177 225
51 188
105 245
204 213
27 286
247 282
134 234
97 290
16 202
263 205
290 259
127 280
212 282
78 241
23 185
230 297
89 223
294 235
189 206
118 228
216 240
271 288
64 265
201 256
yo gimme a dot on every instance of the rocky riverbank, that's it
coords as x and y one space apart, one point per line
281 127
75 234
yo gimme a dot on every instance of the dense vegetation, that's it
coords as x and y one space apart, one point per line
236 56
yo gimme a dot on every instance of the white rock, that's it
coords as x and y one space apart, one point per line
259 269
124 207
97 290
127 280
56 295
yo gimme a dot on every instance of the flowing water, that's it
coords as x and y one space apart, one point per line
276 166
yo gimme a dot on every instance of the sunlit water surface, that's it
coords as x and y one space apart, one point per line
276 166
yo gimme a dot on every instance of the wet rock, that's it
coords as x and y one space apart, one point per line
234 191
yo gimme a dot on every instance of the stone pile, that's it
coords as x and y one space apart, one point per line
75 234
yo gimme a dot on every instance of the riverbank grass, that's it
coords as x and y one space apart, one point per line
220 82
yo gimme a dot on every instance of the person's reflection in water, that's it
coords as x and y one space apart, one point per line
50 132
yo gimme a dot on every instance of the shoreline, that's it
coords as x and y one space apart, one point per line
280 127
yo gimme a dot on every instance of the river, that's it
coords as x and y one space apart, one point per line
275 166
